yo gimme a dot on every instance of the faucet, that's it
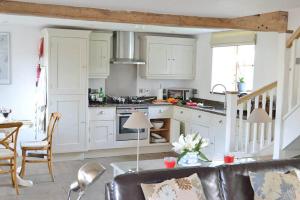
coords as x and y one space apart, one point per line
225 90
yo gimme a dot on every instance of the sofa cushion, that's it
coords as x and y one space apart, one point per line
235 178
128 186
274 185
175 189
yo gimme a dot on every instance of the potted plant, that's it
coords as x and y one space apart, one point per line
241 85
189 148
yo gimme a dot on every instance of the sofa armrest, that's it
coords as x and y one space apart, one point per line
109 191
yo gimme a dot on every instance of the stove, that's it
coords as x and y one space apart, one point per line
123 113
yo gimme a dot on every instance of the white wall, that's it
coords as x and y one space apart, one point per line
19 95
266 51
294 19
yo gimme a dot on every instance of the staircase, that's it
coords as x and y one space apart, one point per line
246 139
290 126
281 100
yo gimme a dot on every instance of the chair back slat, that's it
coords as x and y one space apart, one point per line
11 136
51 126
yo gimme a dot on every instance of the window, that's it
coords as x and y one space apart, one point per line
230 63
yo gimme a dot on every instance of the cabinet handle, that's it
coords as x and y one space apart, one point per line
221 121
199 116
181 112
101 112
160 111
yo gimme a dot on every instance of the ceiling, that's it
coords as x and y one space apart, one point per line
206 8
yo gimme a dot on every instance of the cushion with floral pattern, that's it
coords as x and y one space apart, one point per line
175 189
275 186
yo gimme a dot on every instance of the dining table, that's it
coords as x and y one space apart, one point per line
26 124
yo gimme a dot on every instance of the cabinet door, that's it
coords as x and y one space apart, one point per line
218 127
99 59
70 135
174 131
205 132
182 60
101 134
159 59
68 65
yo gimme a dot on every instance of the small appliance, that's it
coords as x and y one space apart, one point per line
180 93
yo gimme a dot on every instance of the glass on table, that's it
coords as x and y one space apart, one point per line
170 162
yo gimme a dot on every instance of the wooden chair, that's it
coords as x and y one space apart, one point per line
40 151
8 150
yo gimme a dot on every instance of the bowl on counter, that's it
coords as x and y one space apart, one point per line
157 124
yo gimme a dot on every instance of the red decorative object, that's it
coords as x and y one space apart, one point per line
41 48
228 159
170 162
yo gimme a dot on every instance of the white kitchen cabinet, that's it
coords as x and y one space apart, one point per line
156 112
101 134
208 125
158 60
70 135
102 113
206 132
183 60
174 130
66 59
99 55
168 57
67 53
102 127
218 127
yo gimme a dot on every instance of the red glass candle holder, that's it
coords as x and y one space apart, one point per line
170 162
229 159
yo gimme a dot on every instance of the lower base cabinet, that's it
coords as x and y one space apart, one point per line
206 132
70 134
101 134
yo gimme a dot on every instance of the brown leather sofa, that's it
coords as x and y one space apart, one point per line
225 182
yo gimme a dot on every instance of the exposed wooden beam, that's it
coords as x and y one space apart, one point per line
275 21
293 37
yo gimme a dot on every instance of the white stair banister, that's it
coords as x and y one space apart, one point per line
242 137
231 114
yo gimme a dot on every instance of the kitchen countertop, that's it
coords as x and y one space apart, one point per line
213 111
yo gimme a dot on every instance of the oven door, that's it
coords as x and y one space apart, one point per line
124 134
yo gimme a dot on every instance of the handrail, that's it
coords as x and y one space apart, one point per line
257 92
293 37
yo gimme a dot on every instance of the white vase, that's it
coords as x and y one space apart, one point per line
190 159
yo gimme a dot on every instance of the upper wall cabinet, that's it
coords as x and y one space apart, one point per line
67 60
99 55
168 57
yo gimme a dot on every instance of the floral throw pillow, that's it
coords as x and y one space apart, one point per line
275 186
175 189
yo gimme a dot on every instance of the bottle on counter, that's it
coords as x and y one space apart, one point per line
101 97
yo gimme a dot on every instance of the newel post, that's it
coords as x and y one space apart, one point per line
231 114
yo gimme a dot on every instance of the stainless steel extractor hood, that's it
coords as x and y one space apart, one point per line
123 48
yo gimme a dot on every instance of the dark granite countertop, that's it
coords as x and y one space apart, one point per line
213 111
209 110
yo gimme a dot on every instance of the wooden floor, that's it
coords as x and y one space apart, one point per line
65 173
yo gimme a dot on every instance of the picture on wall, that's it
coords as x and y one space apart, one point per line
4 58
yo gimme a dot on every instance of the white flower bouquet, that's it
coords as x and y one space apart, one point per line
191 143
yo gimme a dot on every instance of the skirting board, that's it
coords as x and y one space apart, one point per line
110 152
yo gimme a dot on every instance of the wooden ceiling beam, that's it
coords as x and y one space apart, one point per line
275 21
293 37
